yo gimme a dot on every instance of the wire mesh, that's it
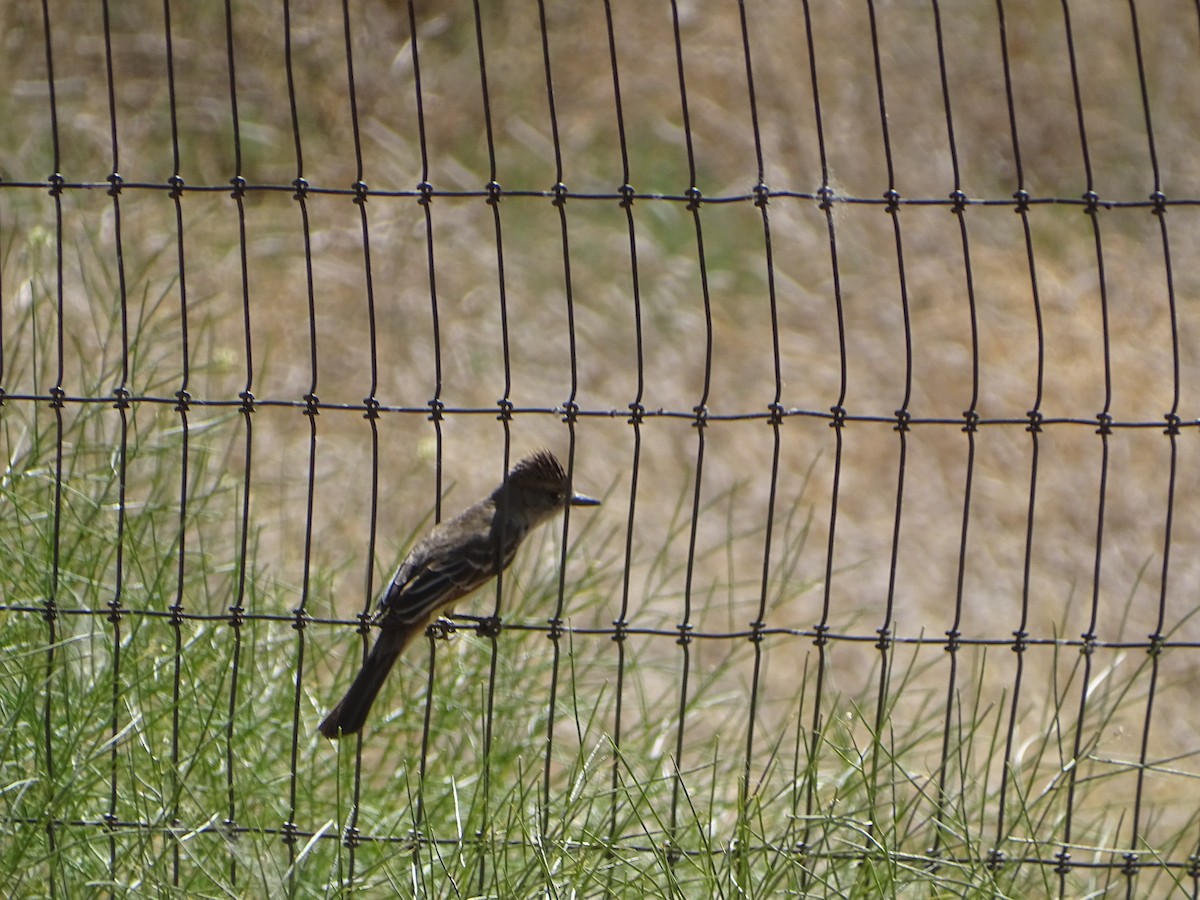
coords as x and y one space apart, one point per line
935 439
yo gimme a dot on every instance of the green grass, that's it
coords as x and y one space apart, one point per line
137 716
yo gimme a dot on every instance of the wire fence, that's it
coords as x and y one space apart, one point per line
882 365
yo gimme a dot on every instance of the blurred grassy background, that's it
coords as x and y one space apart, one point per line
726 583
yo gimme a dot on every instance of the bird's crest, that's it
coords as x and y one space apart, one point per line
541 467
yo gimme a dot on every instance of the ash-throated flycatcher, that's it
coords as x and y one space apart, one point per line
452 560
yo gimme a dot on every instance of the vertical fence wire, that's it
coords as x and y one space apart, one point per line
237 610
300 186
945 800
815 736
637 414
182 407
570 410
50 606
1137 843
121 404
762 198
436 405
490 627
885 630
694 203
371 404
996 855
1105 419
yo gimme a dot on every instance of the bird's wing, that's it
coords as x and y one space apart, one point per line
434 576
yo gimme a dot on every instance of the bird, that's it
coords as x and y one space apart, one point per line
452 560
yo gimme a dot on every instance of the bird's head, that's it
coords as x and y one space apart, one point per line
538 483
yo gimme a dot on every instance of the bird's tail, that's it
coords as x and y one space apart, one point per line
350 714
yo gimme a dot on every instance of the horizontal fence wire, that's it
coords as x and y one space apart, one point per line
177 487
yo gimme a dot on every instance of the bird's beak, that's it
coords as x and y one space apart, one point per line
583 500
